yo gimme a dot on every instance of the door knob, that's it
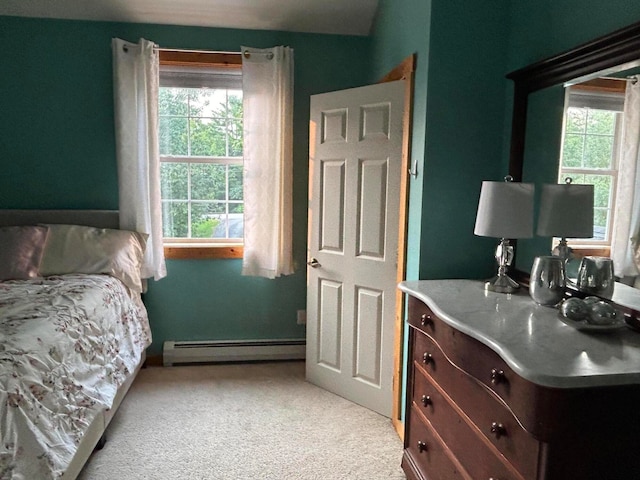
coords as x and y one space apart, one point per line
313 263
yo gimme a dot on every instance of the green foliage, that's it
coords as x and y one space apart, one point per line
205 228
588 141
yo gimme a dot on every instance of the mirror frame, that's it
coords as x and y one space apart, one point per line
620 47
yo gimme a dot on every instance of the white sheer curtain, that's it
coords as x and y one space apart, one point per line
626 231
267 84
135 85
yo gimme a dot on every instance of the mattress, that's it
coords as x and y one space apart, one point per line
66 344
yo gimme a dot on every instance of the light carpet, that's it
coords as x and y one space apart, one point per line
242 421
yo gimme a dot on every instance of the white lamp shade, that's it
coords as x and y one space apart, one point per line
566 211
505 210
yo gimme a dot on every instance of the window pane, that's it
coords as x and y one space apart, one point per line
602 185
235 123
173 181
598 152
208 182
173 102
601 122
173 135
208 137
197 102
211 102
235 182
236 208
602 189
576 120
235 137
174 219
204 219
235 103
572 151
600 222
231 226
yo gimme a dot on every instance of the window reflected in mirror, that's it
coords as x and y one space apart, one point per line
590 150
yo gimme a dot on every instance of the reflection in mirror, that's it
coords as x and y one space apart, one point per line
598 145
568 121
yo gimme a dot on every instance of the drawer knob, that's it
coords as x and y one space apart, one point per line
426 400
498 429
426 319
427 358
422 447
497 376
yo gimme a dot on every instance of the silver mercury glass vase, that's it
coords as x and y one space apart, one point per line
547 282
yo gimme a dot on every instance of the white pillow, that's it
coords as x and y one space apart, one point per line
80 249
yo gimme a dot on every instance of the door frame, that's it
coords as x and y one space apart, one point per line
403 71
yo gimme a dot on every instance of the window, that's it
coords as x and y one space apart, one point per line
590 151
200 137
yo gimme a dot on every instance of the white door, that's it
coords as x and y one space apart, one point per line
354 199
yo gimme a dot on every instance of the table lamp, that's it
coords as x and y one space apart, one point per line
566 211
505 211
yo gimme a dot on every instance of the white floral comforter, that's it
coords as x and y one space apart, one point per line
66 344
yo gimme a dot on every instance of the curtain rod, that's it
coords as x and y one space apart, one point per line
246 53
156 47
630 78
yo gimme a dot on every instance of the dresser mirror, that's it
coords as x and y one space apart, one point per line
538 111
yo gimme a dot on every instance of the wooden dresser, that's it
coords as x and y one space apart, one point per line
498 388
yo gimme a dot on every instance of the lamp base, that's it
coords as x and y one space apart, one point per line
501 283
562 250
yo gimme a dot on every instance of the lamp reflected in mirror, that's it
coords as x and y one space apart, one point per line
566 211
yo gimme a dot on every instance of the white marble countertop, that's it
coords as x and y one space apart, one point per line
531 338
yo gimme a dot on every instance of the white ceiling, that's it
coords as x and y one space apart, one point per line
347 17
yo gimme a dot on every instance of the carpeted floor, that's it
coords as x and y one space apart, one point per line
242 421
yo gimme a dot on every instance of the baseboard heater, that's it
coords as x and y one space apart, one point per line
174 353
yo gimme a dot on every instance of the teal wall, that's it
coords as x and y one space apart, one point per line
57 151
466 103
543 28
401 30
458 121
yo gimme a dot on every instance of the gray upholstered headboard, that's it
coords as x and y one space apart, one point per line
92 218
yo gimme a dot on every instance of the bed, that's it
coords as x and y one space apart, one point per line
73 334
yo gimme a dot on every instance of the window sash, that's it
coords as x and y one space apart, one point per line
190 201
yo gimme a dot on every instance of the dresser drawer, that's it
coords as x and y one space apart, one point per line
478 360
491 416
429 453
469 446
422 317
